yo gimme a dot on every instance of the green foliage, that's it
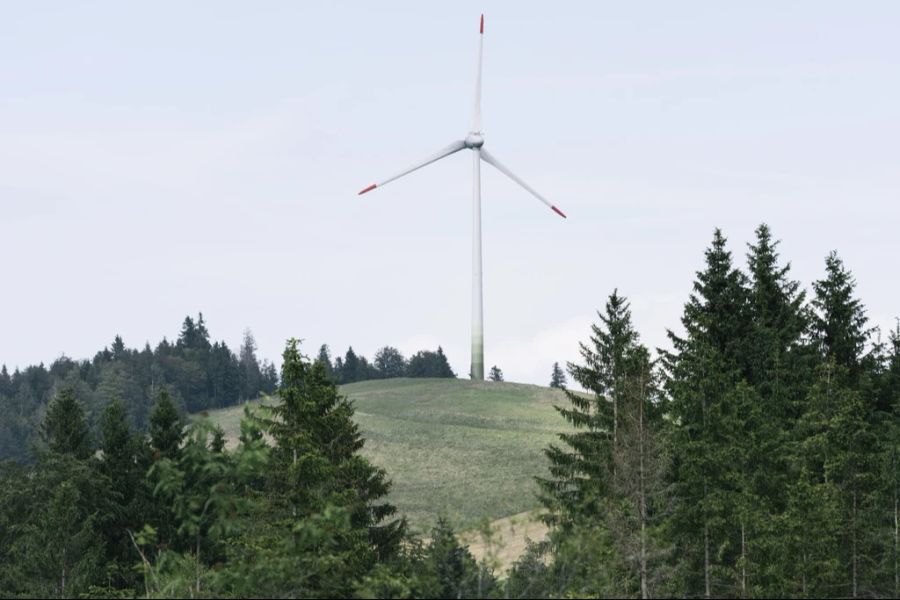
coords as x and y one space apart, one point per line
557 377
390 363
64 429
496 374
197 374
429 364
316 460
166 427
50 521
606 482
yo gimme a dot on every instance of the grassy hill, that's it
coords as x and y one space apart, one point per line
467 450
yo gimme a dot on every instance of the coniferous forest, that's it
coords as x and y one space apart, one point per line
757 456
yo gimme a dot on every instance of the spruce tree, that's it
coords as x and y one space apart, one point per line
64 429
324 357
839 320
702 372
317 460
350 367
840 446
605 482
166 427
764 410
123 465
557 377
251 377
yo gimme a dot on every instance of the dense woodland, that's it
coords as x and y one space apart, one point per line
197 374
759 456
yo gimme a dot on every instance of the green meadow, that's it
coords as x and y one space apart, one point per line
466 450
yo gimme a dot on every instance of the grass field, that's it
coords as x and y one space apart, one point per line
466 450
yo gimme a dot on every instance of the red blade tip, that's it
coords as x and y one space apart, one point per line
482 23
559 212
368 189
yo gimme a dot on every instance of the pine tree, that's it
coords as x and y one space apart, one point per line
496 374
557 377
64 429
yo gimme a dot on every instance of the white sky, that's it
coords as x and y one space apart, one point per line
164 158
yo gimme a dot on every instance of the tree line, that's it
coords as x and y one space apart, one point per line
196 373
758 457
388 363
292 509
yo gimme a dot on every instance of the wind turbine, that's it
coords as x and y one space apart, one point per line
474 141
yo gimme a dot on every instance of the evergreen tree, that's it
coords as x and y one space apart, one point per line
606 481
889 532
64 429
496 374
251 378
702 372
429 364
839 443
55 549
123 465
269 377
762 413
839 320
350 371
557 377
316 460
6 388
166 427
453 569
324 357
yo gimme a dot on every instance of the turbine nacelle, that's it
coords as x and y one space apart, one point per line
474 140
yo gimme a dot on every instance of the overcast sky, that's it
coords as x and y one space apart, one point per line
163 158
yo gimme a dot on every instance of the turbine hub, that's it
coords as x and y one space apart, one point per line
474 140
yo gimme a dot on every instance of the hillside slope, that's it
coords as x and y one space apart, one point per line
466 450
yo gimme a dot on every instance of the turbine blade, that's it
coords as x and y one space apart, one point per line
489 158
476 111
454 147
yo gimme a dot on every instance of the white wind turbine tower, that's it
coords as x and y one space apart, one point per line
474 141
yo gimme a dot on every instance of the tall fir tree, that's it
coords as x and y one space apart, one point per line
839 318
839 443
324 357
317 460
606 476
557 376
702 372
65 429
166 427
